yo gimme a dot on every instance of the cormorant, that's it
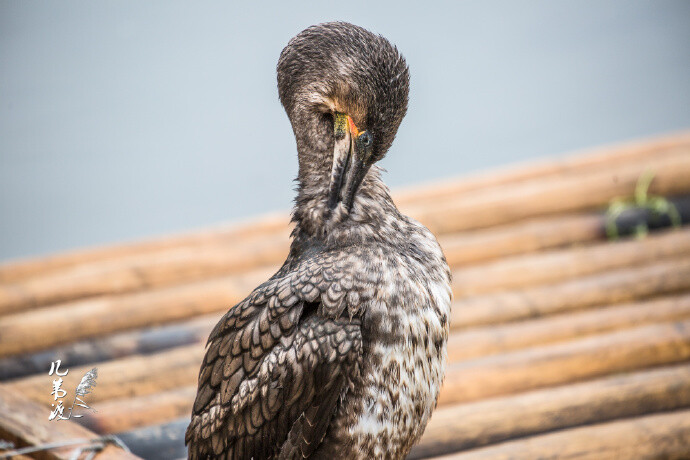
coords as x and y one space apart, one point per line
341 353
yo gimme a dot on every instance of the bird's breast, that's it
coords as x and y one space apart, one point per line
404 364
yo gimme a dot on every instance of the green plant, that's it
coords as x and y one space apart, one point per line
658 205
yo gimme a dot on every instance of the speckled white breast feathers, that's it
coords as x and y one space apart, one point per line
406 364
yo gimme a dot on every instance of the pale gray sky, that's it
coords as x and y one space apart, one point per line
124 119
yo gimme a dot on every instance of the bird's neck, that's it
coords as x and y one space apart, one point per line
368 219
372 209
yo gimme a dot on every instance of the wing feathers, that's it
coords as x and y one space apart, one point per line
296 387
269 371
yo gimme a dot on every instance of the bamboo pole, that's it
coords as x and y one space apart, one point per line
570 263
611 288
465 426
571 361
481 378
126 414
128 377
41 329
593 159
599 158
148 270
270 224
462 345
25 423
14 457
158 442
178 265
487 207
655 436
472 247
462 426
140 272
555 195
109 347
186 264
671 283
502 338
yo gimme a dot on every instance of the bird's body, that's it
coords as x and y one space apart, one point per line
404 328
341 353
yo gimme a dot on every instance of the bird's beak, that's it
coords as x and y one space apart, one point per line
349 163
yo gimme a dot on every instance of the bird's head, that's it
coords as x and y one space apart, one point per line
345 91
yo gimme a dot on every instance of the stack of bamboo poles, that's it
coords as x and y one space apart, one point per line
562 343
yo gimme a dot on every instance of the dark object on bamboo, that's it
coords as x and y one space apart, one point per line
573 361
111 347
536 234
159 442
465 426
555 195
25 423
630 219
658 436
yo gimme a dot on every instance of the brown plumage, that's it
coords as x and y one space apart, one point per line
341 353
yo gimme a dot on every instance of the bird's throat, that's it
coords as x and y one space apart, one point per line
348 169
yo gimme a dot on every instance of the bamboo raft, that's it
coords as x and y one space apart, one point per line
563 344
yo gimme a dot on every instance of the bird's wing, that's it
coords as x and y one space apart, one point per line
271 377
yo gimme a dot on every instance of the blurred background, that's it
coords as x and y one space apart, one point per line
121 120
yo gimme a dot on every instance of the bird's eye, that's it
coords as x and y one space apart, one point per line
366 139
